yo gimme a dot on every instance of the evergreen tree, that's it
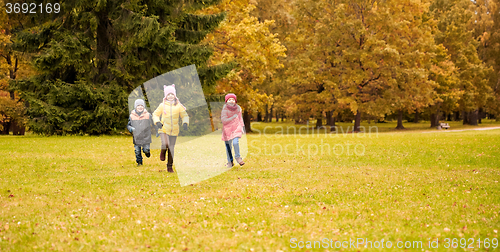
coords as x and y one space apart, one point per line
93 53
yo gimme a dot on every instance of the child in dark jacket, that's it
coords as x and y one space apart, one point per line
139 124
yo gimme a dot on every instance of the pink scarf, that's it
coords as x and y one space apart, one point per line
231 107
231 110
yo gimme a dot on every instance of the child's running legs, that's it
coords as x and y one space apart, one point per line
229 154
171 146
236 146
138 155
146 150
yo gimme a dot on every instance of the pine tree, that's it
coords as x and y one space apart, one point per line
92 54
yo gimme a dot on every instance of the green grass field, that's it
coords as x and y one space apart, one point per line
86 193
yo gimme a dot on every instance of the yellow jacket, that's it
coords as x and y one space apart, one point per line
170 119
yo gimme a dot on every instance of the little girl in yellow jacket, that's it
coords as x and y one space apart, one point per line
166 118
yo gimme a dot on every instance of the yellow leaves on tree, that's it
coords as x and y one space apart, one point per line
241 38
12 65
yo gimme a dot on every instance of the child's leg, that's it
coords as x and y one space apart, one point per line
171 146
237 151
164 144
138 154
236 145
146 150
228 151
164 141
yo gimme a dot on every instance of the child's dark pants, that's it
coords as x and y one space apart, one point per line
168 143
138 154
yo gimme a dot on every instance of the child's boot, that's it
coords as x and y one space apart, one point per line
240 161
170 161
139 164
229 165
148 154
170 168
162 154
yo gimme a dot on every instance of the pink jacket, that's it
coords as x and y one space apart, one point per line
232 123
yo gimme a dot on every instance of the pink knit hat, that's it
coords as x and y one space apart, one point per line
231 95
169 90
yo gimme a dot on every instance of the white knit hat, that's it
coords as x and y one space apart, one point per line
139 102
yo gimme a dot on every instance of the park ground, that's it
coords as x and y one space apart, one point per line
85 193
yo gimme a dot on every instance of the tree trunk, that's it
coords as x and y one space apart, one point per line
259 117
448 117
330 120
17 129
435 117
12 124
465 117
400 120
480 115
6 127
417 117
104 51
270 119
473 115
319 120
246 121
433 120
357 121
266 116
436 122
457 116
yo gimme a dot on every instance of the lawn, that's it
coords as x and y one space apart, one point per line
86 193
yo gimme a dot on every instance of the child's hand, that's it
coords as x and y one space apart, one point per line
132 129
159 125
185 126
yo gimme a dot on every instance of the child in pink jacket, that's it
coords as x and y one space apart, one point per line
232 129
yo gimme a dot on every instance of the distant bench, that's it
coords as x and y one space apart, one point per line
443 126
